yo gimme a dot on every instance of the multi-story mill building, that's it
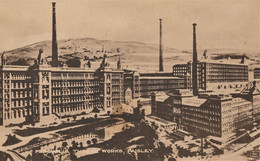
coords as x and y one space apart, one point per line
214 74
211 112
217 115
150 84
16 94
29 93
32 93
143 84
45 90
256 73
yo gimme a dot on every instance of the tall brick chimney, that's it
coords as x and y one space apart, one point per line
160 49
194 63
55 61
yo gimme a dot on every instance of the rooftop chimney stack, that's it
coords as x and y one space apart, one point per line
119 64
243 59
160 49
54 62
194 64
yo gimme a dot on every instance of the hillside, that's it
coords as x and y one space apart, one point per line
134 55
83 47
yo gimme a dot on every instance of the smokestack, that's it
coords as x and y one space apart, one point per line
243 59
55 62
160 49
194 64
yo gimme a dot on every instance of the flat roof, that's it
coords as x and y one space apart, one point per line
55 69
14 68
193 101
162 98
160 120
155 77
224 62
156 72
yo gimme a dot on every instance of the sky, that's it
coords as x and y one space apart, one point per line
220 23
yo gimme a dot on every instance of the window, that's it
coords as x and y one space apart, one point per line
108 76
108 90
19 113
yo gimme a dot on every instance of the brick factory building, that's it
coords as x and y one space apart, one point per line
209 114
212 75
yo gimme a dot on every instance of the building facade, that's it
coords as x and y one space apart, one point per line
38 92
169 106
212 75
216 115
143 84
210 114
257 73
151 84
182 69
132 81
16 94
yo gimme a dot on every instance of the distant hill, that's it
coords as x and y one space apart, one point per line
134 55
83 47
252 57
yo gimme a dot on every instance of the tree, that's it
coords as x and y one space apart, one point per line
156 127
50 157
73 62
153 124
20 61
81 145
88 142
171 159
73 143
94 140
161 151
64 144
74 117
28 158
89 64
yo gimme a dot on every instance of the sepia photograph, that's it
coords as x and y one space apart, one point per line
129 80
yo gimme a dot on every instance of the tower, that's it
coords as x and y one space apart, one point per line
119 64
55 61
243 58
194 63
39 59
160 49
4 59
103 50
